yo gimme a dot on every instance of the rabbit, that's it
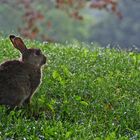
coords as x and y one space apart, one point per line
20 78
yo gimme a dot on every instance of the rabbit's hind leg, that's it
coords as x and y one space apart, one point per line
10 102
27 101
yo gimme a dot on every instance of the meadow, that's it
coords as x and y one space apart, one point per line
87 93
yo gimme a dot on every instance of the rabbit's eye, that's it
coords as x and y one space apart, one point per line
38 52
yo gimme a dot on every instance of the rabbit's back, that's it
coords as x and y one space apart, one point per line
14 83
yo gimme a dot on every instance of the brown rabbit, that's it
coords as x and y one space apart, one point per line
20 78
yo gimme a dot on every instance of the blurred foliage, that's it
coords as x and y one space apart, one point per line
53 24
124 32
51 21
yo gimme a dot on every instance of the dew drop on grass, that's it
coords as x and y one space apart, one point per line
124 113
41 137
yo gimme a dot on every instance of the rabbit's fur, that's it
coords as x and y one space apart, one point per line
20 78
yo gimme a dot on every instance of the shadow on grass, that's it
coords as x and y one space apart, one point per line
31 111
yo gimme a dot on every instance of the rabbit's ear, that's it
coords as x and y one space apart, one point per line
18 43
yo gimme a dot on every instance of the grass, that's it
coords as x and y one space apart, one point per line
85 94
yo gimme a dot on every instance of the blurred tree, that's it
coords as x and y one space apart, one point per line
124 32
34 16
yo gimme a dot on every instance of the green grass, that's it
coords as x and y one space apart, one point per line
86 94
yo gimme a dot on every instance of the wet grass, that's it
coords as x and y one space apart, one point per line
85 94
